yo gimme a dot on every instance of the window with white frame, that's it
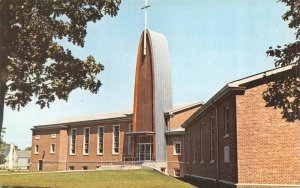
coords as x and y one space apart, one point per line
36 149
226 121
176 148
212 139
86 141
201 144
116 139
53 135
52 148
100 140
37 137
73 141
226 154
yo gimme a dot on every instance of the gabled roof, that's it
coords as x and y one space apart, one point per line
23 154
237 85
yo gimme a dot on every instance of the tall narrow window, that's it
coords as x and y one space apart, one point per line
194 145
116 139
212 139
52 148
201 144
86 141
176 148
129 139
100 140
226 121
73 141
36 149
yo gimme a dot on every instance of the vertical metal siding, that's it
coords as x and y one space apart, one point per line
162 92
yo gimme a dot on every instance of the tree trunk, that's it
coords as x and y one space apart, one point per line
3 60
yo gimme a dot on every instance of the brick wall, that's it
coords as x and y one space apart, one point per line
174 161
268 146
206 167
60 160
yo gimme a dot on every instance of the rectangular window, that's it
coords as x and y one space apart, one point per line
37 137
129 139
226 121
86 141
52 148
116 139
84 167
177 172
212 139
201 144
73 141
100 140
36 149
177 148
226 154
71 168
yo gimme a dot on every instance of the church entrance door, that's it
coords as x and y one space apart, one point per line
144 151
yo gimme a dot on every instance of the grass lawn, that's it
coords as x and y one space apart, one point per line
121 178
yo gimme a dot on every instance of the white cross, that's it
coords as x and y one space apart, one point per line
145 8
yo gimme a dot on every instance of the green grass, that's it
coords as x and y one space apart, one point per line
121 178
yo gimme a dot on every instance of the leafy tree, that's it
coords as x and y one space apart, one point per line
28 149
32 63
284 93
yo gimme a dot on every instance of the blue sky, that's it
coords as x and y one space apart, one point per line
211 43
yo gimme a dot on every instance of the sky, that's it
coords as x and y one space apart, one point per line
211 43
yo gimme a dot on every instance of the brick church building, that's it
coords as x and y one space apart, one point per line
232 140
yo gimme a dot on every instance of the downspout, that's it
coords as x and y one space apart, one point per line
217 131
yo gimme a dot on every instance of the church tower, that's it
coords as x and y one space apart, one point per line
152 97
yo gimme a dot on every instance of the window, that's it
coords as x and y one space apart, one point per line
100 140
177 148
52 148
116 139
37 137
129 139
177 172
194 145
226 154
84 167
86 141
53 135
201 144
36 149
226 122
73 141
28 161
71 168
212 139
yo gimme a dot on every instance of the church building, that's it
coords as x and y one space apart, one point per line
232 140
150 134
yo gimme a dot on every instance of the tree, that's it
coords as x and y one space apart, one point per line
32 63
28 148
284 93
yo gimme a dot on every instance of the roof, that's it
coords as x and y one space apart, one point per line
182 107
23 154
104 116
237 85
